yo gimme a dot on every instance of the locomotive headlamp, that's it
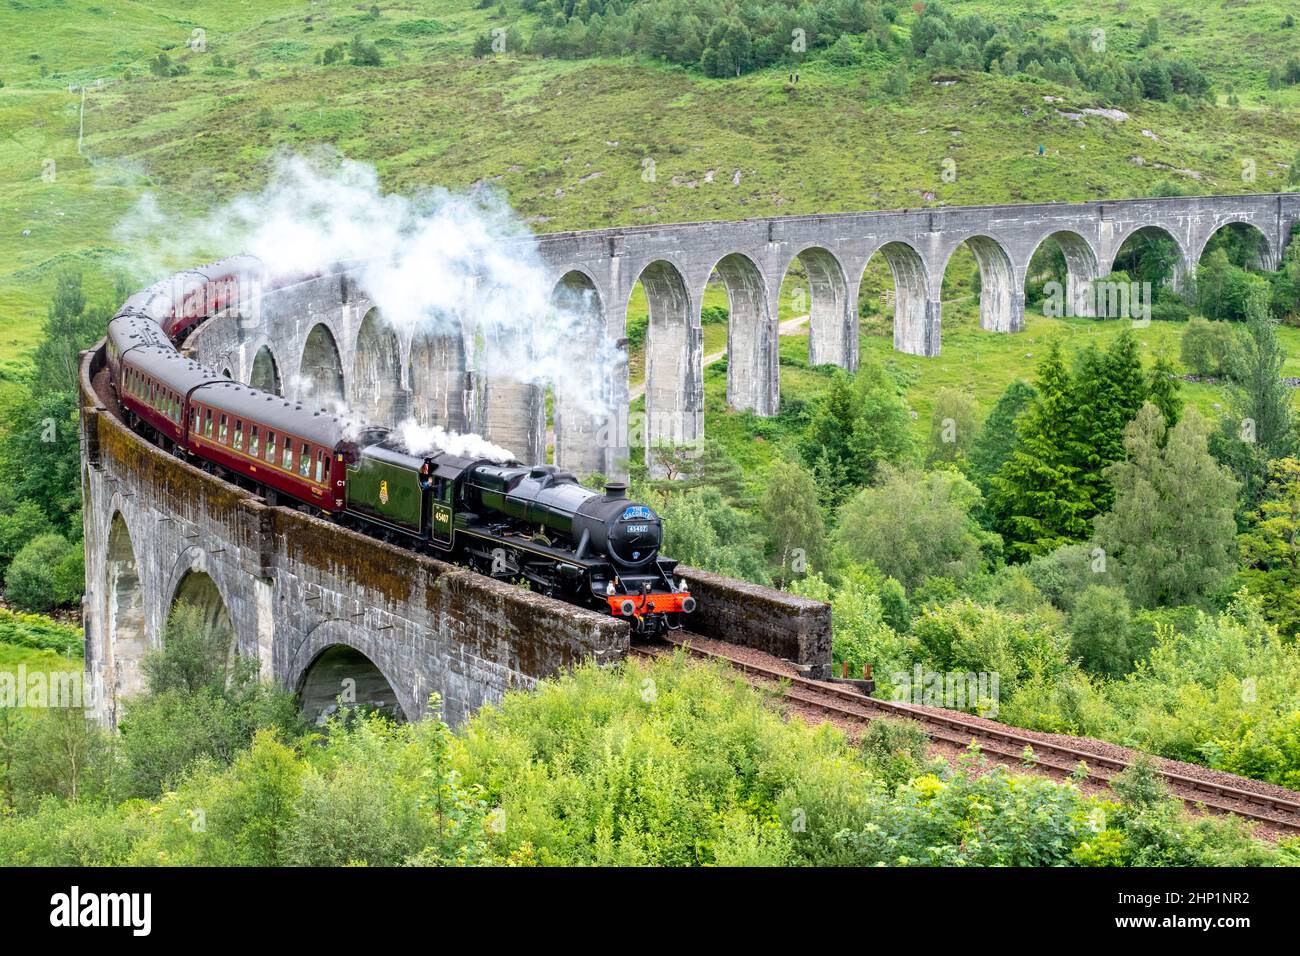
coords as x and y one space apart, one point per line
688 604
628 608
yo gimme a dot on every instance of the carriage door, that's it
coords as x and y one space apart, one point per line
441 523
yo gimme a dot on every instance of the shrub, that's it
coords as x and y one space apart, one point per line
894 750
1207 347
40 632
1099 630
714 315
45 574
971 638
914 524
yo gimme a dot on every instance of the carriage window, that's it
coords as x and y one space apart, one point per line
252 442
207 427
239 435
196 420
304 461
287 464
270 447
221 432
320 466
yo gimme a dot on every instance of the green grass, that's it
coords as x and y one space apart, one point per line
12 655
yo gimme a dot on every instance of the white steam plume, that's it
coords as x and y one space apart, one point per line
433 262
423 440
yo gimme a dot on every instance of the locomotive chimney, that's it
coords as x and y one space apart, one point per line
615 489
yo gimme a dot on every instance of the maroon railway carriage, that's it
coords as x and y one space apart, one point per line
153 385
282 445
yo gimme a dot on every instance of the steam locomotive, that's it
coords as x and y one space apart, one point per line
533 524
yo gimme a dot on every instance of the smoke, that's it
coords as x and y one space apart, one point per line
421 440
434 263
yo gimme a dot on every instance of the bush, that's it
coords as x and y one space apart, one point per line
20 523
61 834
970 638
669 763
1170 309
364 54
46 573
862 630
913 524
1063 574
40 632
1207 347
200 703
894 750
1099 630
714 315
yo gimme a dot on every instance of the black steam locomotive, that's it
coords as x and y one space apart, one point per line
524 524
534 524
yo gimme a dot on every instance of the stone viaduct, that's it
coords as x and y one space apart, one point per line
325 610
326 333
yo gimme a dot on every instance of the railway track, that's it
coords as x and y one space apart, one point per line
1001 745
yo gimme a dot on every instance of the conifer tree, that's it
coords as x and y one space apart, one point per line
997 439
1038 499
1164 390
